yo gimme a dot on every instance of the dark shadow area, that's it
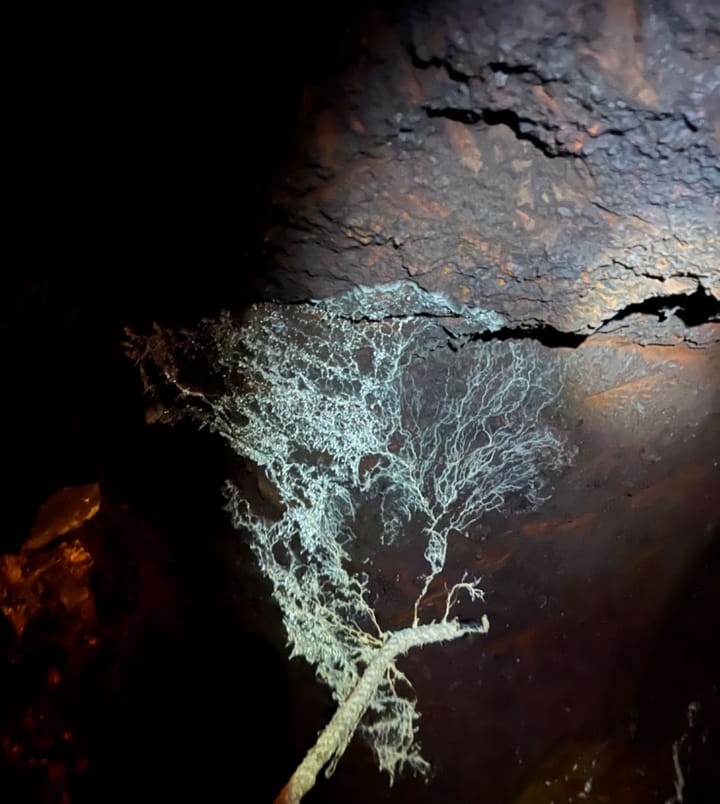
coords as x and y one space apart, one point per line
191 704
679 704
147 145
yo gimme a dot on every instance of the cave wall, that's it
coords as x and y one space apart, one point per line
556 162
553 162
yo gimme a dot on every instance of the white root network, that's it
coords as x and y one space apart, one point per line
337 410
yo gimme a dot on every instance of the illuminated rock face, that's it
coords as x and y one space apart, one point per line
558 164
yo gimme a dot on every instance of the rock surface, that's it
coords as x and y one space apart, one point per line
558 163
556 168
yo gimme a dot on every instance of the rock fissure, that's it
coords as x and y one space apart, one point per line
684 311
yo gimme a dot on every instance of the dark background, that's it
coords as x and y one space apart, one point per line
143 146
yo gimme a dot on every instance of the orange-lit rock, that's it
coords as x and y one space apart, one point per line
64 511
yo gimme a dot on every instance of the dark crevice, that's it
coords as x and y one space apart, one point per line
456 75
419 62
545 334
467 116
522 127
519 69
699 308
692 309
438 63
511 69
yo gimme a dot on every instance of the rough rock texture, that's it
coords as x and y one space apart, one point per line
556 162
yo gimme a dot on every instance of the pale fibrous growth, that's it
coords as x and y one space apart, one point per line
347 402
